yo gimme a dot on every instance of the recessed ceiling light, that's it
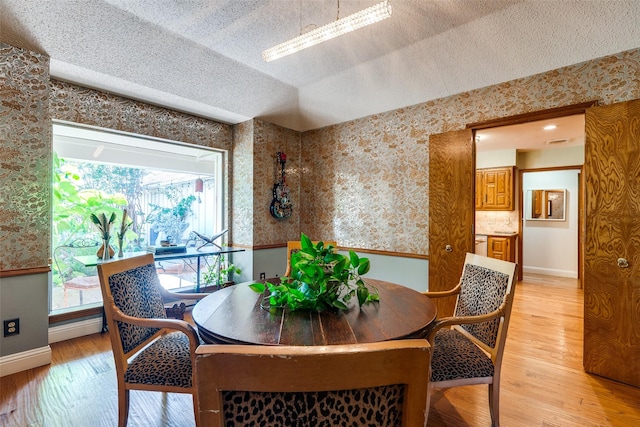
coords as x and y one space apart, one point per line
550 127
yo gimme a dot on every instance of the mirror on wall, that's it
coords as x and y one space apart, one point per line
542 204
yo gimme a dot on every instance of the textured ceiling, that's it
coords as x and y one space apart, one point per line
204 57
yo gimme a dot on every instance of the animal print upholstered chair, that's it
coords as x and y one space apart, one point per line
377 384
468 347
151 352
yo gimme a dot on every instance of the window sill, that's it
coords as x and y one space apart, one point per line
88 310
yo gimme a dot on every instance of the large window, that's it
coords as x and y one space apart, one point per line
168 189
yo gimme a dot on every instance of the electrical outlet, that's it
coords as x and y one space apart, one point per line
263 276
11 327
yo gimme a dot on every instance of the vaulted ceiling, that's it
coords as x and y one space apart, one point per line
204 57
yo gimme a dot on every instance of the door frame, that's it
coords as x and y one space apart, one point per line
534 116
581 190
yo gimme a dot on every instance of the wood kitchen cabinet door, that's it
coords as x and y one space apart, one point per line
494 189
479 190
499 248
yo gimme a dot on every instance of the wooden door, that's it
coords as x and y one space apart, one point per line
612 242
451 210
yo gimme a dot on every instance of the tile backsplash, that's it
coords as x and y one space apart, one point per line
488 222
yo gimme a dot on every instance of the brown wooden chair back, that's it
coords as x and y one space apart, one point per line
382 384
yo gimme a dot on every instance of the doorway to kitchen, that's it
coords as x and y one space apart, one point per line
548 154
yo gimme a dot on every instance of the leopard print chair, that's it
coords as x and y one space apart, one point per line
468 347
151 352
377 384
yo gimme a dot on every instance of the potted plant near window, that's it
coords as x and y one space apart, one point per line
320 279
220 275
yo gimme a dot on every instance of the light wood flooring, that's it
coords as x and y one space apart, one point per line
543 383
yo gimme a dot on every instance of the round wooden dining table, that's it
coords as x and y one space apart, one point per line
234 315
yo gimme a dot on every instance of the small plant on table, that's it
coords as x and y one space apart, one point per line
320 279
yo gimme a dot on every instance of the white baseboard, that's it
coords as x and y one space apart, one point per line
550 272
24 360
75 330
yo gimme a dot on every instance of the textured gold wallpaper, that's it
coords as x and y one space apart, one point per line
363 183
242 184
256 171
30 99
25 159
91 107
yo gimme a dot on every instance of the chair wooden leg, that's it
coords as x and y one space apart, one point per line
196 408
428 406
494 404
123 406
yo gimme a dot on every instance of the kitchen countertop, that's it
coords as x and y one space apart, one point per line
498 233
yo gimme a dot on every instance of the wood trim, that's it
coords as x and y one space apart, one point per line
534 116
520 249
386 253
260 247
75 314
551 169
24 271
581 219
359 250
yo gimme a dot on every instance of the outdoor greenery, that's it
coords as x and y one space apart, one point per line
320 279
85 192
75 201
78 201
134 206
173 221
220 274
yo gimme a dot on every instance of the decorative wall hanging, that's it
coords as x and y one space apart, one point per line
281 206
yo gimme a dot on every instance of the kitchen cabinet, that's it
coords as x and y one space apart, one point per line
502 247
495 189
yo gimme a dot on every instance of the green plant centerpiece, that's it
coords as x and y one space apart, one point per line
320 279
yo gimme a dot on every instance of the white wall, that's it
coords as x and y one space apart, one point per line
551 247
496 158
410 272
556 157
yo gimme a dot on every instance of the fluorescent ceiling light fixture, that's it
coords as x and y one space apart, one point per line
337 28
550 127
